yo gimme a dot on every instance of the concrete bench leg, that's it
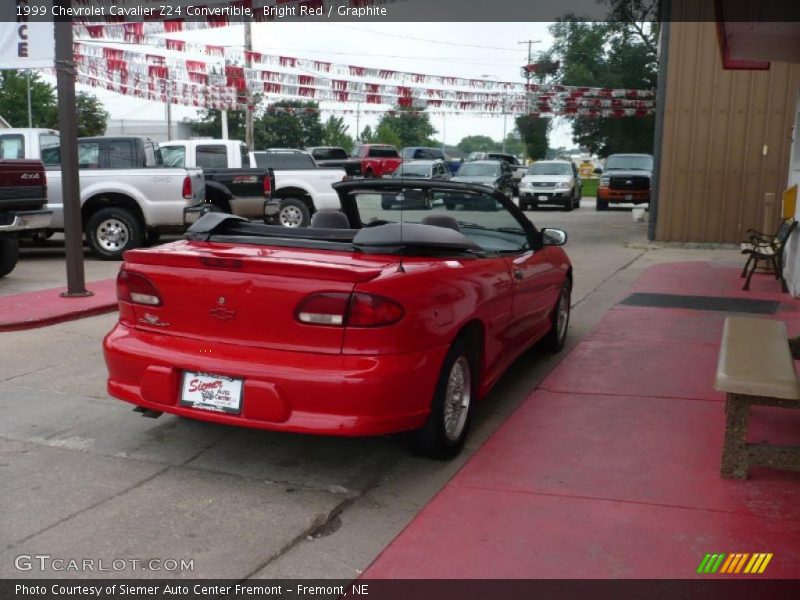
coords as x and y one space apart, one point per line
734 452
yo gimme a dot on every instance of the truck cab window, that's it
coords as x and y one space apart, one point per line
212 157
89 155
173 156
12 146
120 155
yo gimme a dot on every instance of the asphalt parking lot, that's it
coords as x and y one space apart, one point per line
86 478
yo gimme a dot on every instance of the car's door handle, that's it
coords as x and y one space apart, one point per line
518 275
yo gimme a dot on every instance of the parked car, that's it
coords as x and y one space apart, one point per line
23 197
376 325
436 170
551 182
626 178
334 156
231 185
492 173
127 195
377 160
518 170
301 187
430 153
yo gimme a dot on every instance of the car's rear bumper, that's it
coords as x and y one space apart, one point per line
605 194
347 395
22 221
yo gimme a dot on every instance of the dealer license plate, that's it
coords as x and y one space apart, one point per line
628 197
210 391
542 198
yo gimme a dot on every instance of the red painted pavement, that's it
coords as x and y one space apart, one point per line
611 468
46 307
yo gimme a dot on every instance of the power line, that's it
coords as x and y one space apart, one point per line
428 40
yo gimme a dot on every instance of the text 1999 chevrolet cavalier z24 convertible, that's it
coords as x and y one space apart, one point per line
369 321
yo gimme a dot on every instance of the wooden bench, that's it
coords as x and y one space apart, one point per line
755 368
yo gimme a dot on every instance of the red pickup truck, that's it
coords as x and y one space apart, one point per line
377 160
23 196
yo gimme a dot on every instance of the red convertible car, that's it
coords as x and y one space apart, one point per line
369 321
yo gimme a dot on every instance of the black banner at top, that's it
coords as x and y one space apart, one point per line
221 12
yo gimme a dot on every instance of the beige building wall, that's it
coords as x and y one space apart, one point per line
726 141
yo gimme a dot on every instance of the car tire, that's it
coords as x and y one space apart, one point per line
446 427
369 174
293 213
386 205
153 237
569 204
523 206
110 232
601 204
559 320
9 254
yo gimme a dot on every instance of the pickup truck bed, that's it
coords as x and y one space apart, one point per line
23 196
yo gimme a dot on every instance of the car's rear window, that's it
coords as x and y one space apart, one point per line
382 153
329 154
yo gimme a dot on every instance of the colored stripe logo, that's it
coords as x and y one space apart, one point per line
734 563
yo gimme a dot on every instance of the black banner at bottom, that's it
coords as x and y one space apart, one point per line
397 589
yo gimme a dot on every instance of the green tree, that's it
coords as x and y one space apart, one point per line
406 126
478 143
515 144
14 100
289 124
620 53
534 132
367 136
92 117
387 134
210 124
335 133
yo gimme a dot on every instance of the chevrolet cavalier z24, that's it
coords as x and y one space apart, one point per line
367 322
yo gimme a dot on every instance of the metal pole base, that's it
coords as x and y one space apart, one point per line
83 294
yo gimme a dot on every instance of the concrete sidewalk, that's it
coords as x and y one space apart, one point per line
610 468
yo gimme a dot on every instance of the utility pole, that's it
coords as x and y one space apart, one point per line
248 115
70 187
530 61
358 121
169 112
224 119
30 109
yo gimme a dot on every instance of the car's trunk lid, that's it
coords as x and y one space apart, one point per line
245 294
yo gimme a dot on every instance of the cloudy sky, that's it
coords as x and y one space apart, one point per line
472 50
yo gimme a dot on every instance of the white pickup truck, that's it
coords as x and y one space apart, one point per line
127 196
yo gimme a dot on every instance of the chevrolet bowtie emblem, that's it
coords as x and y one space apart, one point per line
223 314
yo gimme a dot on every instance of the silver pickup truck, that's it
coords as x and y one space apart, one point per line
127 196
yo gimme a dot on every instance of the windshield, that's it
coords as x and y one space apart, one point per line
412 171
634 163
550 169
173 156
478 170
478 216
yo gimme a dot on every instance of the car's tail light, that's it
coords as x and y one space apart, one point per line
187 188
137 289
337 309
324 309
268 185
366 310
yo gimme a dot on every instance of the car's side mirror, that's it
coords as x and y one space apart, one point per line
554 237
598 171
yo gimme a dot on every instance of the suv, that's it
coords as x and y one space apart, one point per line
550 182
627 178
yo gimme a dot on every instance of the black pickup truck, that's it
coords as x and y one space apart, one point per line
333 156
23 196
232 186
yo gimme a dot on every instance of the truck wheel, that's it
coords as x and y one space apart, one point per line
369 174
153 237
9 254
294 213
601 204
112 231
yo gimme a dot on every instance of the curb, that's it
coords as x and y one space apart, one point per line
31 310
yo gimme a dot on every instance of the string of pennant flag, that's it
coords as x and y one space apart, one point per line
219 81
